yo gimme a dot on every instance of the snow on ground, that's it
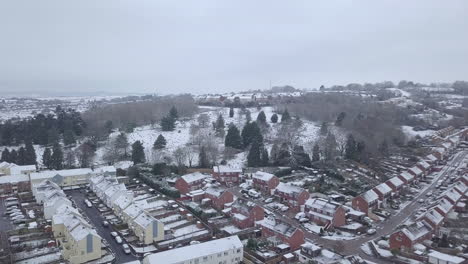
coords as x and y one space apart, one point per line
180 137
42 259
411 133
399 92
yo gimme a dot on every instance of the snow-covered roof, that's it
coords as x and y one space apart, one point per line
263 176
431 157
434 216
14 178
133 211
239 217
216 192
416 170
416 230
445 257
226 169
444 205
289 189
193 177
370 196
383 188
424 164
7 165
461 187
277 226
21 169
407 176
196 251
452 195
397 182
144 220
71 173
439 150
322 205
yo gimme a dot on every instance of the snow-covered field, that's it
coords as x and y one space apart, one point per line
180 137
411 133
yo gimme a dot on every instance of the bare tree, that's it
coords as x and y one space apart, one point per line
180 156
203 120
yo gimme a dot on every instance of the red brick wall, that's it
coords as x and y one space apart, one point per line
295 241
219 202
339 219
402 242
360 204
182 186
228 178
266 186
256 214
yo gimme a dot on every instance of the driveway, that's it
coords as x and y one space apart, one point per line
96 219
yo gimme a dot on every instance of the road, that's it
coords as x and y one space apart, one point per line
353 247
95 218
5 226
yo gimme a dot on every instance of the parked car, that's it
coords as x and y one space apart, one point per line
114 234
105 223
118 239
371 231
268 200
254 194
421 200
126 248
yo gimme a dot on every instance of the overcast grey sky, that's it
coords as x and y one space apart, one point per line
215 46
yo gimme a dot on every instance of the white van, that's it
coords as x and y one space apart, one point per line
118 239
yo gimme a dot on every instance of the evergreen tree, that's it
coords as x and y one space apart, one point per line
68 137
108 126
138 152
13 156
203 161
121 144
301 157
160 142
250 132
254 156
219 126
233 138
316 153
330 147
30 153
360 149
57 157
5 155
21 160
274 153
285 117
284 155
274 118
248 116
350 148
261 118
383 147
340 118
264 157
231 112
324 129
173 113
47 158
167 123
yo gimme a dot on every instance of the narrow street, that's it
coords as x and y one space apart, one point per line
386 227
95 218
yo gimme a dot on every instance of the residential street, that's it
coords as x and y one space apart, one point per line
94 217
386 227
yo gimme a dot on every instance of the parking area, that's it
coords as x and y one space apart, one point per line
95 217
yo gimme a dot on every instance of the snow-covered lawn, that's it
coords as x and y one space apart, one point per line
411 133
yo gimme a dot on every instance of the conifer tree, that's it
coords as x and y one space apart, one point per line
203 161
231 112
160 142
254 156
219 126
285 117
173 113
30 153
316 153
57 157
5 155
13 156
21 160
47 158
138 152
261 118
274 118
233 138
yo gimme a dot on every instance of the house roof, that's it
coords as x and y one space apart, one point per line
431 157
434 216
20 169
444 205
226 169
407 176
416 230
424 164
416 170
217 192
323 205
263 176
289 189
383 188
452 195
195 176
397 182
181 254
70 173
278 226
445 257
370 196
14 178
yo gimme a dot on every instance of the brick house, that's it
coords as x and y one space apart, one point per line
265 182
424 166
406 177
245 213
365 201
407 237
433 218
294 196
461 188
190 182
219 197
279 232
13 183
431 159
383 191
416 172
464 179
443 207
226 175
327 213
439 153
452 196
395 183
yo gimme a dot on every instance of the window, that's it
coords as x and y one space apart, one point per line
238 250
226 253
